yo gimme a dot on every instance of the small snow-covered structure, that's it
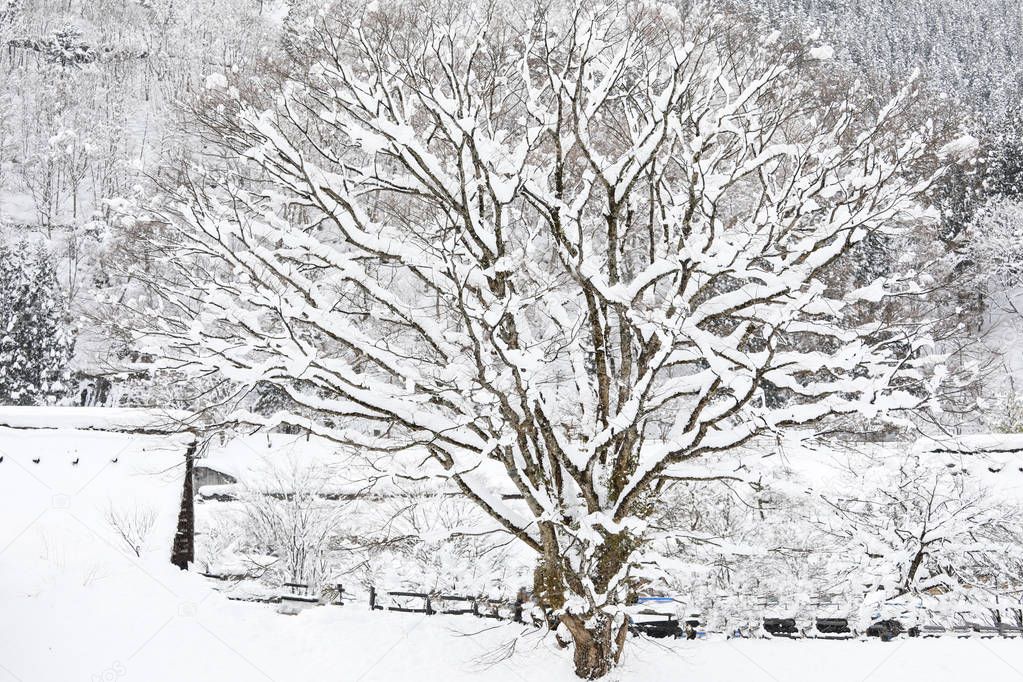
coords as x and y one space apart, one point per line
257 461
114 420
204 475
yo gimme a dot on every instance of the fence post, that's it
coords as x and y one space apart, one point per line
340 594
429 610
372 598
518 610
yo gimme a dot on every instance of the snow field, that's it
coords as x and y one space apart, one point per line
78 604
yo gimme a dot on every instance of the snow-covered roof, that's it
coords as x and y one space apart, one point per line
245 457
64 487
94 418
272 462
973 443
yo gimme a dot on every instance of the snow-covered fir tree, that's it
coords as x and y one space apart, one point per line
36 337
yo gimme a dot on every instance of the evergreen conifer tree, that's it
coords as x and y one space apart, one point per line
36 339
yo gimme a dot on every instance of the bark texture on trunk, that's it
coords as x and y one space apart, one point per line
598 644
598 637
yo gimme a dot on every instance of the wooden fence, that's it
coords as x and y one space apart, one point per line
430 604
650 623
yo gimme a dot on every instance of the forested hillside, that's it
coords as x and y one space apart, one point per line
91 122
94 117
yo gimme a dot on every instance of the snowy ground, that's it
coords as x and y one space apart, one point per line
151 625
76 603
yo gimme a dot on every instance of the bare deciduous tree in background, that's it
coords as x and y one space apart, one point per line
288 517
931 531
556 251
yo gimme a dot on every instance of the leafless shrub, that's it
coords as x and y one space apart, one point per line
133 525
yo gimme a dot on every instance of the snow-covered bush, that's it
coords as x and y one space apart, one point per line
915 528
852 536
287 524
743 549
425 541
215 543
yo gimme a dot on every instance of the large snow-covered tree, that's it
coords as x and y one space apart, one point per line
551 254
